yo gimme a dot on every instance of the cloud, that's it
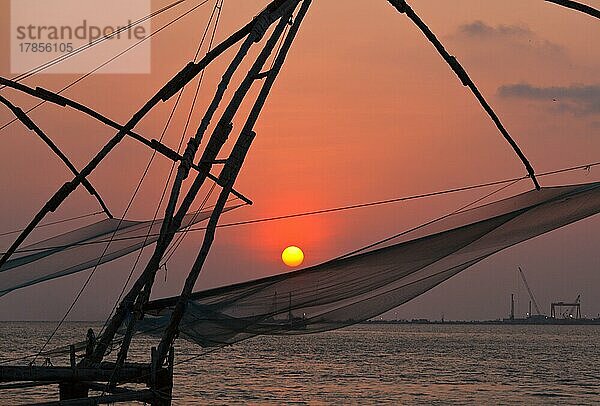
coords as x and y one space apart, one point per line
577 99
479 29
514 35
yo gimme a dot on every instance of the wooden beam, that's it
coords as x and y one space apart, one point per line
127 374
145 395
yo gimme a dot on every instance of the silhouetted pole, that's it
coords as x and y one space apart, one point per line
574 5
181 79
257 29
229 175
403 7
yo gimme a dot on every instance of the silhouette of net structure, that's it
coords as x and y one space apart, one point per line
348 290
83 248
337 293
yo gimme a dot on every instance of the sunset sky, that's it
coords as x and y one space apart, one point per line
363 110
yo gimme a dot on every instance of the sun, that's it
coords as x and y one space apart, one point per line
292 256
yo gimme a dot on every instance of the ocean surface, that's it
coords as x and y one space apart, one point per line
366 364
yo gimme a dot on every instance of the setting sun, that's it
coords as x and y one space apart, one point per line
292 256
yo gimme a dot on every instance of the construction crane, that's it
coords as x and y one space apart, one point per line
537 308
569 312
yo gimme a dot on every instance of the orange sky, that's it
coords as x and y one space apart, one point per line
363 110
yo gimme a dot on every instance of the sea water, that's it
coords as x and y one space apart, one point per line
364 364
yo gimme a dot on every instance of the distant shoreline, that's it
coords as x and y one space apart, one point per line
525 322
500 322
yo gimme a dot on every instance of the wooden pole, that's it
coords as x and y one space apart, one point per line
574 5
132 373
27 122
229 175
130 302
186 75
403 7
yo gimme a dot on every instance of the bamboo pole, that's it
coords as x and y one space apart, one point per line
403 7
229 175
169 224
27 122
154 144
146 279
575 5
130 373
186 75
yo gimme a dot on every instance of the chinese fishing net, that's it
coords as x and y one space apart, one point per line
82 249
355 288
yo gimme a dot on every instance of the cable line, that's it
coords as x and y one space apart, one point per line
87 281
180 80
410 230
148 234
82 48
55 97
56 222
167 255
339 209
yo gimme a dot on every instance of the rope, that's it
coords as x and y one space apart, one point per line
201 43
87 281
55 222
342 208
566 3
108 61
170 252
460 209
82 48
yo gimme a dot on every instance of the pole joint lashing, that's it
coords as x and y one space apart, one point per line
221 134
62 193
187 160
459 70
261 25
51 96
178 81
237 156
164 150
262 75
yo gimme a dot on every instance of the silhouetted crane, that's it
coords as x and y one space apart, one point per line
537 308
569 312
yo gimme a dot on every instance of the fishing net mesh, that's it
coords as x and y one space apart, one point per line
83 248
345 291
